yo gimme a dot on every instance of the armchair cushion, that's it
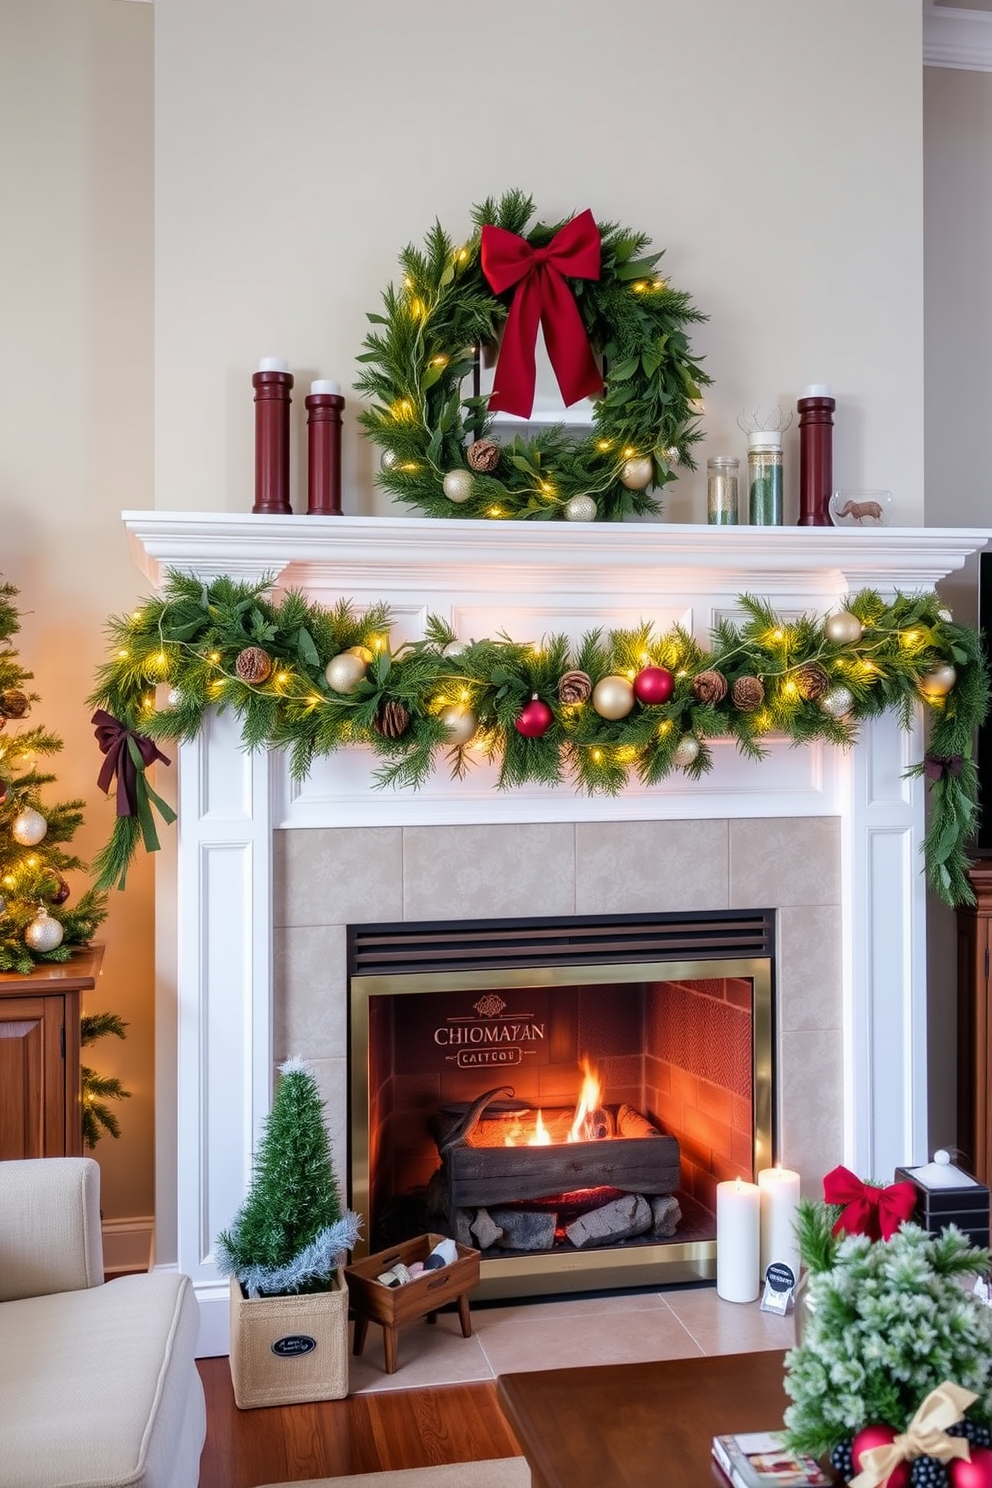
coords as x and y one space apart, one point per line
50 1238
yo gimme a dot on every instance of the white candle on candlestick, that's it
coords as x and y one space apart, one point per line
779 1190
325 385
738 1240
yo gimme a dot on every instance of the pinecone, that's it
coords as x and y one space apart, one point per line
574 687
13 702
748 694
253 664
392 720
811 681
709 687
483 455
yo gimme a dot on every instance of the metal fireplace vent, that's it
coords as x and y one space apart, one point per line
467 945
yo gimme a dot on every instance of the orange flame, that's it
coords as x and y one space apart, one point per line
541 1137
590 1099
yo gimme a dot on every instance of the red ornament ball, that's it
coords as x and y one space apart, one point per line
654 685
974 1474
880 1436
535 719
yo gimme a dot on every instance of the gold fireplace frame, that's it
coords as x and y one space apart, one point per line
544 1273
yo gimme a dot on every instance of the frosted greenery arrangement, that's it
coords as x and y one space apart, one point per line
291 1232
887 1322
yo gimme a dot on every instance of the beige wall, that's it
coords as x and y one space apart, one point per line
75 436
773 150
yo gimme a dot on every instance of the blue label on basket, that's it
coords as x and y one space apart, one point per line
293 1344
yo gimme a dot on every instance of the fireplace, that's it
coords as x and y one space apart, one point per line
562 1093
256 890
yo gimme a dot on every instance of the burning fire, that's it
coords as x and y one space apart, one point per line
584 1127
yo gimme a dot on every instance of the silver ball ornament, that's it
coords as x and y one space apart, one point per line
28 827
672 454
637 473
687 750
44 932
838 701
843 629
613 697
945 615
939 681
454 648
458 485
344 672
387 459
580 509
173 697
461 724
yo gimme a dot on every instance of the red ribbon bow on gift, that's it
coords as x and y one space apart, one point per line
875 1212
542 298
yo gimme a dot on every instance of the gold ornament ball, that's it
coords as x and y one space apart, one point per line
637 473
458 485
613 697
843 629
938 681
28 827
838 701
44 933
461 724
362 652
687 750
344 672
580 509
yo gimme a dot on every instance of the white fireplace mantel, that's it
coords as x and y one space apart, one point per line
215 933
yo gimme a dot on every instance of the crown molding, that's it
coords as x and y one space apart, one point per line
957 37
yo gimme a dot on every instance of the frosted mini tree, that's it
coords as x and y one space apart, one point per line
37 921
291 1232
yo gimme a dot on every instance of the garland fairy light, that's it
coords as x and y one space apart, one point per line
594 288
629 703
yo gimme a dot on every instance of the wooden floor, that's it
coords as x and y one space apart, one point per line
362 1433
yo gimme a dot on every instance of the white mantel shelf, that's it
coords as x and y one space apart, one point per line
417 551
215 950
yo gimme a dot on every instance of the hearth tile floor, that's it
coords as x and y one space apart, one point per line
567 1331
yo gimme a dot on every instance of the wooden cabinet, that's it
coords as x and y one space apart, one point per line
974 926
39 1057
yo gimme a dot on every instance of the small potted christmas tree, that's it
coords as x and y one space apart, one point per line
284 1253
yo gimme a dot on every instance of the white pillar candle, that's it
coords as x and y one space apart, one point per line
779 1189
738 1240
325 385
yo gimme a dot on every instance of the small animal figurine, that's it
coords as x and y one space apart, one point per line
861 511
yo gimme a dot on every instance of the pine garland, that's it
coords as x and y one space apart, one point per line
97 1089
291 1231
421 351
187 641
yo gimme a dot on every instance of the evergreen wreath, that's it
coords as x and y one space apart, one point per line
311 680
426 345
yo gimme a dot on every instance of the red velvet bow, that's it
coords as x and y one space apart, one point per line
875 1212
542 298
941 766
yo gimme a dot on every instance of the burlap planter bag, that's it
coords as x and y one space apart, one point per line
286 1350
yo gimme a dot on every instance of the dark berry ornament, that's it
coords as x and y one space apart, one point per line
61 891
535 719
976 1432
654 686
928 1472
842 1460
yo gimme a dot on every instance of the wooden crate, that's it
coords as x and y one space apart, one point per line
393 1307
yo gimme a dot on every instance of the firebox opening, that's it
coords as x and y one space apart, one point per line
570 1121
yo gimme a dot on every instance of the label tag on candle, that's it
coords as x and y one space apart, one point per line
780 1288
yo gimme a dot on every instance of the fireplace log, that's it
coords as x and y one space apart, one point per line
526 1229
623 1219
479 1177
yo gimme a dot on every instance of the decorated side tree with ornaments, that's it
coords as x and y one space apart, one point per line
40 920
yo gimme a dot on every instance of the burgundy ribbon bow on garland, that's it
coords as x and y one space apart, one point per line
542 298
941 766
871 1211
128 755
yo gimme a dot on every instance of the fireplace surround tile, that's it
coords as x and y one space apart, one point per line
310 1005
809 963
337 875
475 871
784 862
634 867
811 1097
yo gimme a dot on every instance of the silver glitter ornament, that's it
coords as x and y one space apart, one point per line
44 933
387 460
580 509
458 485
28 827
838 701
687 750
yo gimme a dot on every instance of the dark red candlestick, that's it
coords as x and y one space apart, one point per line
816 457
273 388
324 451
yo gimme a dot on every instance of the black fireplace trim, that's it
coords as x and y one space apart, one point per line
557 940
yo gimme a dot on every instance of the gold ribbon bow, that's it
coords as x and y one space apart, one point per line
925 1436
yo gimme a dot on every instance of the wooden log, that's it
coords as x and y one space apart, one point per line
483 1176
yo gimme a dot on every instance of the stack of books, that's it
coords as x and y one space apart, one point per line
760 1459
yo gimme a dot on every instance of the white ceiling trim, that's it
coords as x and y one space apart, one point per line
957 37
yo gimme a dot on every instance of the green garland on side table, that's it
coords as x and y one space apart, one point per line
627 703
421 350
